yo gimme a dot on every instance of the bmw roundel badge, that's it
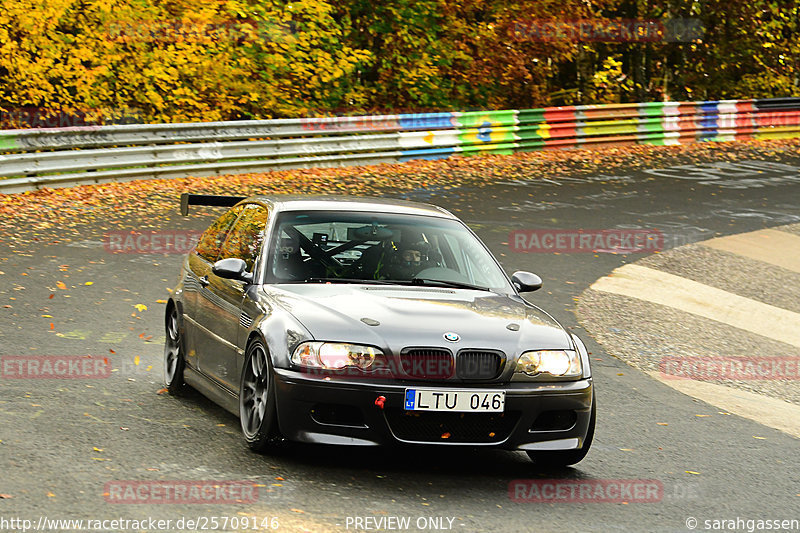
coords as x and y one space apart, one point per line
452 337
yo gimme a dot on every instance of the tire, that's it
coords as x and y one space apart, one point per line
257 412
174 360
562 458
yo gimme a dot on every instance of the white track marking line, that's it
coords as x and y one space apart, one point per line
771 246
771 412
696 298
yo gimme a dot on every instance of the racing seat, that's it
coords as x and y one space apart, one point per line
289 263
372 264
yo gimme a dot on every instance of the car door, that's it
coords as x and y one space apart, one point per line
220 303
197 267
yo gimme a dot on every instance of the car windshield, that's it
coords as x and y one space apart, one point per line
334 246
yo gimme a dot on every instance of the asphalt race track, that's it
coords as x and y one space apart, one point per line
63 441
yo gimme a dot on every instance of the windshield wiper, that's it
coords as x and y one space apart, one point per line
456 284
348 280
414 281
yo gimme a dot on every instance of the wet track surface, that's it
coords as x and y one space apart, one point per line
63 440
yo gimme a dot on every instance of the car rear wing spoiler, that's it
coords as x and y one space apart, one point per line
207 199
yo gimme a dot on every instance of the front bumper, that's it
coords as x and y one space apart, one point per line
538 416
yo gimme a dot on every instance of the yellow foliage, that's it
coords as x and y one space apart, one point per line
179 61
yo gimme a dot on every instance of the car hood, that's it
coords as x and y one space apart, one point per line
396 317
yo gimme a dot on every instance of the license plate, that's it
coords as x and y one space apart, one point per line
457 401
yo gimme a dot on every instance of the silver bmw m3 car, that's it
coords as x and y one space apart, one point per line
367 322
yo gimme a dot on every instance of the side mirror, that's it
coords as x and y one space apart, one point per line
232 268
526 281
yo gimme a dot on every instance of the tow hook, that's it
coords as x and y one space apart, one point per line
379 401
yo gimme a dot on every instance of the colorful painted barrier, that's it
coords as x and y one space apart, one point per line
47 157
656 123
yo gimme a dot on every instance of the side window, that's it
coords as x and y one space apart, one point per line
211 241
244 240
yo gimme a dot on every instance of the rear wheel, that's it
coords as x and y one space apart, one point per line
561 458
174 361
257 411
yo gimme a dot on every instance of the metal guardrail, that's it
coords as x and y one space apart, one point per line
62 157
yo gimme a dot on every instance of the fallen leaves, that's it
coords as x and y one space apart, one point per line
59 211
61 285
140 307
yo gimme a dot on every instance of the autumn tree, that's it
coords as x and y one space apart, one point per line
197 60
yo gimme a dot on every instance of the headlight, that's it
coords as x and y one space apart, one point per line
334 355
560 363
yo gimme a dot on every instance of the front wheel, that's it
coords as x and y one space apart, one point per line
174 361
562 458
257 411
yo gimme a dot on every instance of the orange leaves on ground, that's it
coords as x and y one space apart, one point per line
149 203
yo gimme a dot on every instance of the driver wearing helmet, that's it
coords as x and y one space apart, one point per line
407 260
